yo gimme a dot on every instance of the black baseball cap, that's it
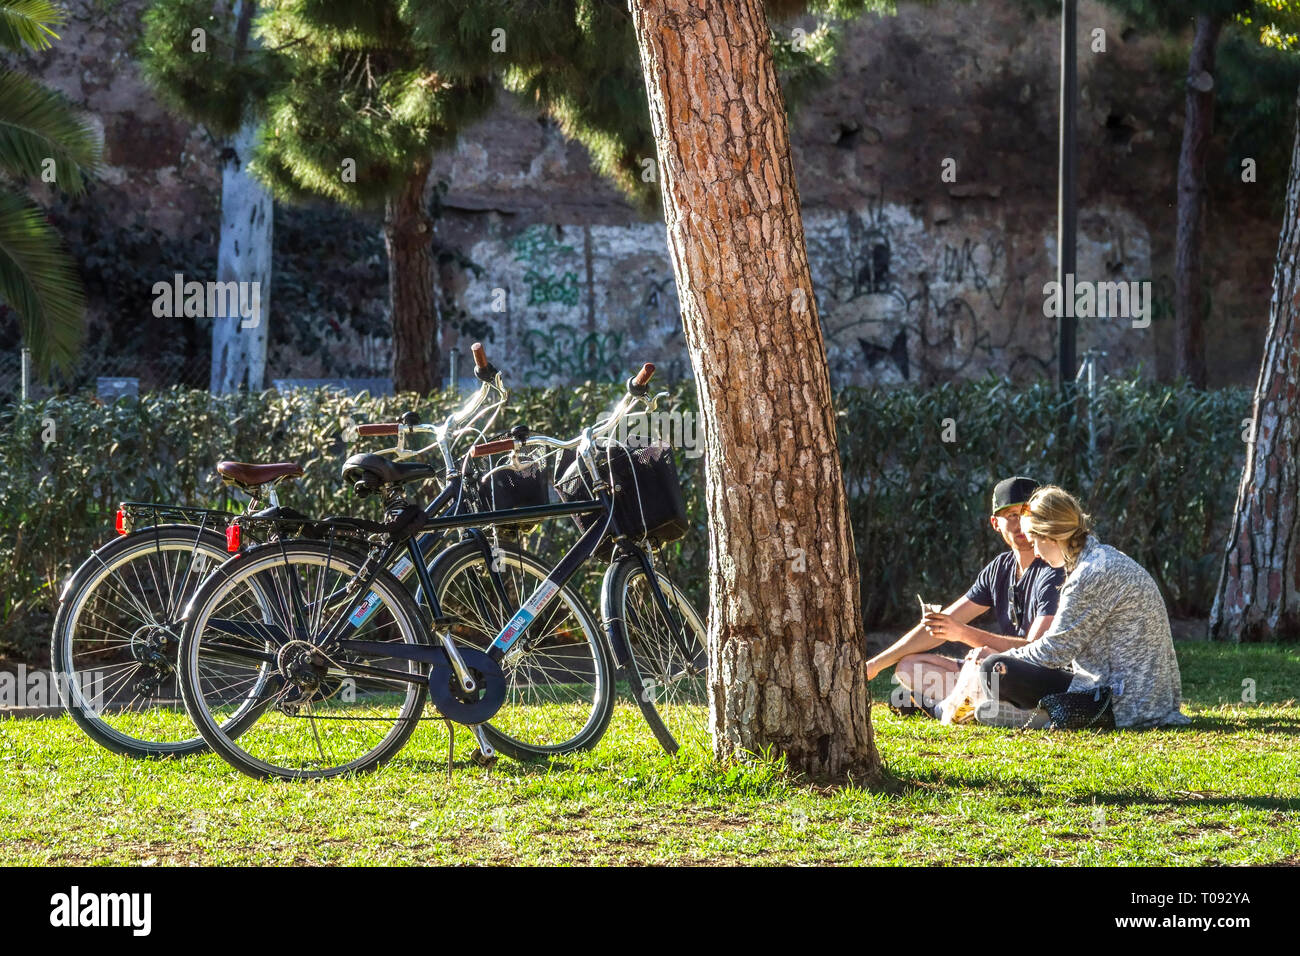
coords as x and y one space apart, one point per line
1013 491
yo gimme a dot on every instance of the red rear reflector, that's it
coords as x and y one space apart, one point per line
120 522
232 538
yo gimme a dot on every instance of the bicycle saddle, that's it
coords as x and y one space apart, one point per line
372 471
251 476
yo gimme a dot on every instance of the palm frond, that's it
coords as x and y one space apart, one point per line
28 23
39 124
38 281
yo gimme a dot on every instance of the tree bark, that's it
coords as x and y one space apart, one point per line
786 643
243 253
1198 126
408 237
1259 589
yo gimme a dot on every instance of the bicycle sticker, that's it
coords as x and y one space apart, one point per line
373 601
524 616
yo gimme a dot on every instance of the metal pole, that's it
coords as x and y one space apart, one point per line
453 360
1067 212
27 374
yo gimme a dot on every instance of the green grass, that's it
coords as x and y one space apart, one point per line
1224 791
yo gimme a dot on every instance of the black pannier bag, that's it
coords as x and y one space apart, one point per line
507 488
658 515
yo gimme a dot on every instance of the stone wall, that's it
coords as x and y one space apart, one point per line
917 279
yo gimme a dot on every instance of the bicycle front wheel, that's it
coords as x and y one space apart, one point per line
116 635
559 691
318 713
668 664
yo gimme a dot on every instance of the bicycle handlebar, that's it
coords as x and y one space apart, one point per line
492 448
635 391
480 356
379 428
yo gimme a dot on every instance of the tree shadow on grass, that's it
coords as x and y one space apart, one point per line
935 785
1239 722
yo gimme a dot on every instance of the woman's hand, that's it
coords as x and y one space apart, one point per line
945 628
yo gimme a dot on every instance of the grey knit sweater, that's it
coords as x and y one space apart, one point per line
1111 629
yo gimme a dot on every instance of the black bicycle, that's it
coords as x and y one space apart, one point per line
117 631
336 659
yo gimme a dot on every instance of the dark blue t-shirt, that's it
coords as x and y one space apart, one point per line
1035 594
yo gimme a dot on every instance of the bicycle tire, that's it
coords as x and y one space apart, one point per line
79 668
275 717
552 666
671 690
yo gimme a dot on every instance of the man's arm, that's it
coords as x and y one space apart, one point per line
996 643
918 639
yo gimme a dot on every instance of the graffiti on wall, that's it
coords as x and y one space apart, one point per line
898 307
537 248
560 351
900 300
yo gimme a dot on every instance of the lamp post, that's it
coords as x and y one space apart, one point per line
1066 211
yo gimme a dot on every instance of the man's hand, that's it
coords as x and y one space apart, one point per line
944 627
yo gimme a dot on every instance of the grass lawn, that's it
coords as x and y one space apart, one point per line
1224 791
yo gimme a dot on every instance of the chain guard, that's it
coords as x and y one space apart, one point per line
453 703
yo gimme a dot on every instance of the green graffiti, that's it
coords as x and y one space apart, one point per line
543 289
567 352
537 246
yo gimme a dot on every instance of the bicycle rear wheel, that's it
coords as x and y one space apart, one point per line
560 692
668 662
318 714
116 634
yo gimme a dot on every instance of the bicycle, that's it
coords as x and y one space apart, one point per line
502 669
117 631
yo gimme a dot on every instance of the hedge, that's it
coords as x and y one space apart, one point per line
918 466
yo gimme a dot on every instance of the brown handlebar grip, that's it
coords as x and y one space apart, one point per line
492 448
480 357
378 428
647 372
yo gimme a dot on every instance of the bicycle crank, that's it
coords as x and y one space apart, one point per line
477 706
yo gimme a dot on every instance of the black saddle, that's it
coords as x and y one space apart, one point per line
371 472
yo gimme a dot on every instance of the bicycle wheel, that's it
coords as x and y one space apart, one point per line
116 635
668 662
316 716
559 694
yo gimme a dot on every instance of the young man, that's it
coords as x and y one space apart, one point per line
1021 588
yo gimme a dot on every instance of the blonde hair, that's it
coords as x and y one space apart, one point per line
1054 513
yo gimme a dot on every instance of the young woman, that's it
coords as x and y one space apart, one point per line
1110 628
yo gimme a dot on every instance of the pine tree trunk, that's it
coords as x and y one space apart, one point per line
785 629
243 254
408 236
1258 597
1198 127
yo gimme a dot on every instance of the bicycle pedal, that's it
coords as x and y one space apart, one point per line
482 759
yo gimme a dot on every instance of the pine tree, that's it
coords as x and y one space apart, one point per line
1258 597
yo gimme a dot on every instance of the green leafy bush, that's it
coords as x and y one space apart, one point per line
1161 486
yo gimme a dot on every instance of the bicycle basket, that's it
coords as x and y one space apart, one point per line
648 502
506 488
